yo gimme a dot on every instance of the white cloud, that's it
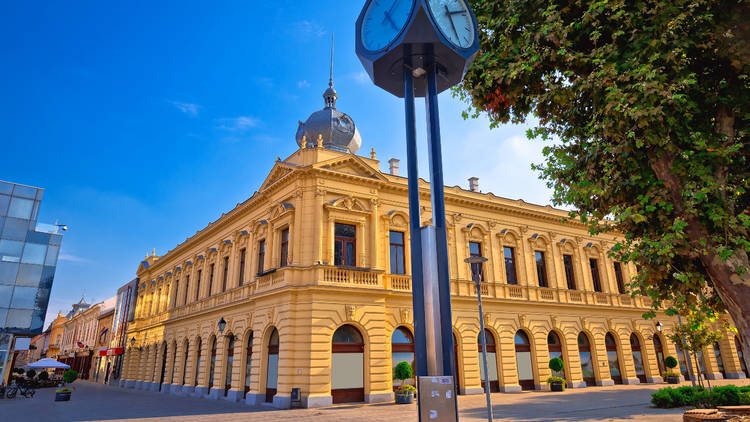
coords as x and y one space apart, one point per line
187 108
71 258
306 29
360 77
238 124
303 84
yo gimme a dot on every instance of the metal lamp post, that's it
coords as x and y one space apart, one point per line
477 282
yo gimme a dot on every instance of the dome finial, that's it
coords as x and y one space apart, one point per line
330 95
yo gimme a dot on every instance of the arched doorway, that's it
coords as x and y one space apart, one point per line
229 364
456 366
635 346
347 365
587 365
659 349
163 364
272 368
719 360
614 361
491 361
212 367
186 348
555 351
402 350
198 346
741 356
248 362
523 361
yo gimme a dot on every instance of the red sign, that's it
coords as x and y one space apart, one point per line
103 352
115 351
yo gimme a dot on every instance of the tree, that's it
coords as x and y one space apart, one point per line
699 330
403 371
70 375
645 108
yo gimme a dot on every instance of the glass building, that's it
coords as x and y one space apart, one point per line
28 257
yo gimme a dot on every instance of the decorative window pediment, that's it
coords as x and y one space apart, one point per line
348 203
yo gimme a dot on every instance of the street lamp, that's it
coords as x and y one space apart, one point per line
132 341
659 326
222 324
479 260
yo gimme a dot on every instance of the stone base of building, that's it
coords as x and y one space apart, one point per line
735 375
200 391
379 397
215 393
605 383
233 396
715 376
129 383
657 380
470 391
577 384
631 381
282 402
507 389
155 387
186 390
317 401
254 399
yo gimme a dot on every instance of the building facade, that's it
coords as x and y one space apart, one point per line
123 316
28 258
81 337
102 364
311 278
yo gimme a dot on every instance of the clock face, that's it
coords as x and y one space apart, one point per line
454 20
383 21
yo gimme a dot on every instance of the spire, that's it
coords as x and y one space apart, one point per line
330 95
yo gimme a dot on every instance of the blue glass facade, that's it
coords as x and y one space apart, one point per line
28 257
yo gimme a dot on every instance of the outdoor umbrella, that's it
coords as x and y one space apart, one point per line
48 363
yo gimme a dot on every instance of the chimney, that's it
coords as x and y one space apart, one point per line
474 184
394 166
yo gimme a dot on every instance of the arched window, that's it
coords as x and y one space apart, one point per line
174 363
272 368
614 361
248 361
719 360
186 348
230 363
163 364
402 349
491 361
555 351
681 358
197 361
659 349
741 356
635 346
456 365
523 361
587 365
212 368
347 365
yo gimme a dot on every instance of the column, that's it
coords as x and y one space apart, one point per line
712 367
506 353
627 364
236 389
573 359
539 345
217 390
178 368
601 363
189 386
650 362
255 396
169 370
205 362
158 362
730 356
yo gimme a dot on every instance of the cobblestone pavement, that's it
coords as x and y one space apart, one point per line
93 402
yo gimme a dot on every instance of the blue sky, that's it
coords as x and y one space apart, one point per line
144 121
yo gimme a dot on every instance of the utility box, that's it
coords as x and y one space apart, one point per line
296 397
437 398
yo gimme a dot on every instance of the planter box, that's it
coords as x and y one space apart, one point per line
404 398
556 386
673 380
65 396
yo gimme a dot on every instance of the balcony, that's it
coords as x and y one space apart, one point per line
377 280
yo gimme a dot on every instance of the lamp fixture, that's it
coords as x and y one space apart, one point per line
222 324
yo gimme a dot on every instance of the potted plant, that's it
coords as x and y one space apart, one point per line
670 376
556 383
404 392
63 394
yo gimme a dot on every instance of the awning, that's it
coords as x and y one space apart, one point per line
48 363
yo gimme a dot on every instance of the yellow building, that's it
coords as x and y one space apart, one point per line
56 329
311 276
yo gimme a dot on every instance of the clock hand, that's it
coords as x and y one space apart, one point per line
450 18
388 15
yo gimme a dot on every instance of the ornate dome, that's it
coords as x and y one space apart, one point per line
337 129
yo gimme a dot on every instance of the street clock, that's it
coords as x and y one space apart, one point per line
416 34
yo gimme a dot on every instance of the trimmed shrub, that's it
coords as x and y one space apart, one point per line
670 362
70 375
43 376
703 400
403 371
556 364
663 398
30 374
728 395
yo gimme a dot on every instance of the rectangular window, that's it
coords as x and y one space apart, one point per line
618 277
510 265
594 264
541 268
475 251
225 275
284 248
210 280
176 290
397 252
345 237
198 284
242 267
187 288
570 276
261 255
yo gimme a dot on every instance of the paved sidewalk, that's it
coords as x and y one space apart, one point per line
94 402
